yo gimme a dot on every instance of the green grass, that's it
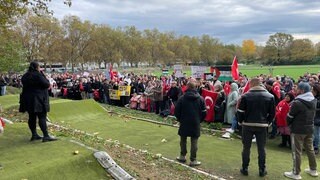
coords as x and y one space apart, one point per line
254 70
218 156
22 159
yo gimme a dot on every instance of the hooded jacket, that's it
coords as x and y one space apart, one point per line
190 111
301 115
231 103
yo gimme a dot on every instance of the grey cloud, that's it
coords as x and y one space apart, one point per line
229 20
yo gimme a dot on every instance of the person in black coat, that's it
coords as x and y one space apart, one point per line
190 111
35 100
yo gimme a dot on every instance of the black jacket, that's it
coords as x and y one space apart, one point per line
256 108
34 96
301 115
174 93
190 111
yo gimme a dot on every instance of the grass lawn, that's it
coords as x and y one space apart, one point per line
22 159
218 156
222 157
254 70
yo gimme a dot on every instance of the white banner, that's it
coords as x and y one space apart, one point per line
198 71
178 70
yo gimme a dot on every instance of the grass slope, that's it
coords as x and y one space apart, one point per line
218 156
22 159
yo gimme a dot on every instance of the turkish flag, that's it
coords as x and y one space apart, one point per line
210 99
227 88
276 89
246 87
235 69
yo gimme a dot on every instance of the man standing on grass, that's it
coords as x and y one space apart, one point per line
190 111
255 112
300 120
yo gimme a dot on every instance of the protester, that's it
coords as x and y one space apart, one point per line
231 103
35 100
255 112
282 110
300 120
190 111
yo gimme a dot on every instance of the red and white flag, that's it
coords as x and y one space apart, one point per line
276 89
235 69
210 99
227 88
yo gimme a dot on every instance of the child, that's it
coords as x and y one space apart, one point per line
282 110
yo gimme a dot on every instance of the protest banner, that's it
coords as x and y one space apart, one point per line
178 70
124 90
198 71
114 94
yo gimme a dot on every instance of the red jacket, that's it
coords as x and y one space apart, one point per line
282 110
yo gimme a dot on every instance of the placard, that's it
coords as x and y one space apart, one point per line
124 90
198 71
178 70
114 94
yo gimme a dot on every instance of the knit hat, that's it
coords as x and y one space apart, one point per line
304 86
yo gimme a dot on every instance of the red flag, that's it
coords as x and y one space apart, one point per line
111 72
210 99
227 88
246 87
234 69
276 89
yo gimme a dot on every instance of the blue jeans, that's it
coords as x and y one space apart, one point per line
3 90
234 123
316 137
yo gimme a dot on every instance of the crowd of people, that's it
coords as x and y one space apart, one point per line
160 95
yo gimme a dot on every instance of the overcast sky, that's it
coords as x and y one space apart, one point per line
231 21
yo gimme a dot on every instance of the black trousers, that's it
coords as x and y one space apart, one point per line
261 137
32 122
193 149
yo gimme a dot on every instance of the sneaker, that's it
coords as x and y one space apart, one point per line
48 138
181 159
230 130
244 171
316 151
226 135
291 175
194 163
312 173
